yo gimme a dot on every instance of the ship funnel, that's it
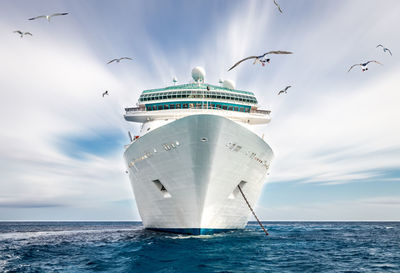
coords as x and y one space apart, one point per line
198 74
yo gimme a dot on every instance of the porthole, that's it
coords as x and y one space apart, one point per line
204 139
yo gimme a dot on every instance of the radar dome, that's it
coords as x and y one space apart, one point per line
198 74
229 84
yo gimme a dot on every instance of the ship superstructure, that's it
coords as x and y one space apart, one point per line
194 148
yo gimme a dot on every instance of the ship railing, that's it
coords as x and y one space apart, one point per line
252 111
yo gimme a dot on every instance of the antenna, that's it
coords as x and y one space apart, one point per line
175 80
130 136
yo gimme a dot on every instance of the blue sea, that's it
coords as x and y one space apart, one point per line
127 247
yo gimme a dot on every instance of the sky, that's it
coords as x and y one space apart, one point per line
335 135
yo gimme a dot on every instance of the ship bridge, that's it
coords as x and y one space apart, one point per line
177 101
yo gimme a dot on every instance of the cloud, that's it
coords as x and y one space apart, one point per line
333 127
364 209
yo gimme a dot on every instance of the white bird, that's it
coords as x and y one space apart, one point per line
260 58
284 90
22 33
105 93
279 8
363 65
385 49
119 59
48 16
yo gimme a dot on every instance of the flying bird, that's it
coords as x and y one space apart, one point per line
385 49
363 65
260 58
105 93
119 59
48 16
22 33
279 8
284 91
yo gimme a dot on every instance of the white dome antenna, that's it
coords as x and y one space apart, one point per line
230 84
198 74
174 80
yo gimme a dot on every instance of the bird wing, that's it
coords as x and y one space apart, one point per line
28 33
127 58
18 31
113 60
389 51
287 87
379 45
353 66
374 62
59 14
276 4
277 52
280 92
37 17
245 59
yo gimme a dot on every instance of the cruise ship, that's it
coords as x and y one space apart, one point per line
196 145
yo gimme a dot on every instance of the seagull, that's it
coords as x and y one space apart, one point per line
279 8
48 16
364 65
385 49
22 33
119 59
260 58
284 90
105 93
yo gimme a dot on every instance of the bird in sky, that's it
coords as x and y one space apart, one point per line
385 49
260 58
22 33
105 93
119 59
284 91
48 16
279 8
364 65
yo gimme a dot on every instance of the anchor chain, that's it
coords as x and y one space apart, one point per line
248 204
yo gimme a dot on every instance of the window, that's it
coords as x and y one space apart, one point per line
185 105
160 107
241 109
236 108
213 105
166 106
154 107
178 106
247 110
224 107
149 108
230 108
219 106
172 106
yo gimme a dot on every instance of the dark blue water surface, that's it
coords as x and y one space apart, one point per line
127 247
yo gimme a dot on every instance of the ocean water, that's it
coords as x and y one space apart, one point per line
127 247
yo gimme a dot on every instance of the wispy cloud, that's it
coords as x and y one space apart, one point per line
332 128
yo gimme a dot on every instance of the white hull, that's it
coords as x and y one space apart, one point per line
198 161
